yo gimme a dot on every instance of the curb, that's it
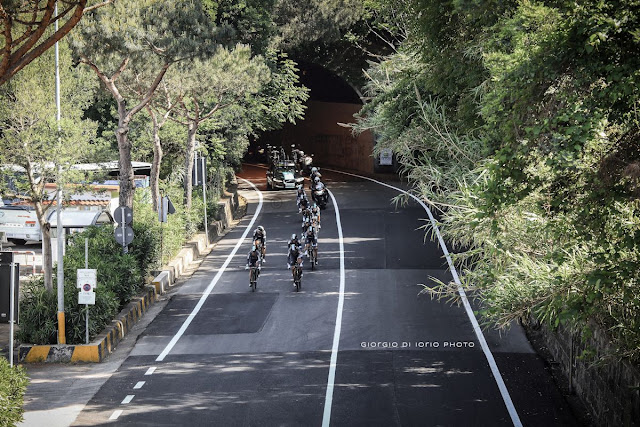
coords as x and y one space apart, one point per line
105 343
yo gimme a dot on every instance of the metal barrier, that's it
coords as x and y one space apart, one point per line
26 263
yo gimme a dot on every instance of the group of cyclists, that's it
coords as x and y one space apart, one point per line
297 247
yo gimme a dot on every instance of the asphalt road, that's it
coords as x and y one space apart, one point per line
356 347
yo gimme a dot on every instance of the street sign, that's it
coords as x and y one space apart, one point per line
123 212
88 298
87 282
386 157
166 207
87 276
199 173
124 236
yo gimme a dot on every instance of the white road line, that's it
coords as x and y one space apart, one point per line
328 400
128 399
150 371
138 385
116 414
506 397
213 282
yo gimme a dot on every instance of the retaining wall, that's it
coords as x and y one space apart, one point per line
609 389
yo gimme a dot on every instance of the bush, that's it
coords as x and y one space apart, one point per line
13 384
117 272
120 276
38 324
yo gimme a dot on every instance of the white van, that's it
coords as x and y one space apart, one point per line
20 223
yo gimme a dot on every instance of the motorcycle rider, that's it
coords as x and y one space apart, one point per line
315 173
261 235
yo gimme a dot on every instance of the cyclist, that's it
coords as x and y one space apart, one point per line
311 241
253 260
294 241
315 213
294 257
301 198
260 234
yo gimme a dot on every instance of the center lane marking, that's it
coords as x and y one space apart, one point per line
214 281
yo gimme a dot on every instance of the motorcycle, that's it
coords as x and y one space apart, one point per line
321 197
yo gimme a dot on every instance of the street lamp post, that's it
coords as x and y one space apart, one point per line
59 228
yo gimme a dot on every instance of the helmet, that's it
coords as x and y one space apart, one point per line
316 179
293 236
314 206
314 169
261 228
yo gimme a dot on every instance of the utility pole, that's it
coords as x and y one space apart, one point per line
60 229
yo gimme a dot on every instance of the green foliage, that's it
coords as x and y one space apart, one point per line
38 308
518 121
13 384
117 272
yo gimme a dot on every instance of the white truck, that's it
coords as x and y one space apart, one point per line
20 223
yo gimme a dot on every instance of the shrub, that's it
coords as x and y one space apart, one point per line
38 308
13 383
117 272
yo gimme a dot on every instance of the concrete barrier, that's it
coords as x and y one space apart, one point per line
161 282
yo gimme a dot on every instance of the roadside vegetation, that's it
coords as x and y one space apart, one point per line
156 81
518 122
13 383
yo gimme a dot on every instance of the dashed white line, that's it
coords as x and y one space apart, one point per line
128 399
138 385
328 400
213 282
150 371
506 397
116 414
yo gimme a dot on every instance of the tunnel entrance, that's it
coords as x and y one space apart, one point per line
332 102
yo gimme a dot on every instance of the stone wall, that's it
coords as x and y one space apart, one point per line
610 390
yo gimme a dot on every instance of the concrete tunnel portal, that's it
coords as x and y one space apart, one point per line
331 101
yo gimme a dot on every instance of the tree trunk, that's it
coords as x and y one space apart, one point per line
157 160
127 185
47 256
191 146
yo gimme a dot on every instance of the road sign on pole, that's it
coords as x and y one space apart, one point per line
124 235
123 214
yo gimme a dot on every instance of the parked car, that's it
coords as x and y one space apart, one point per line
283 175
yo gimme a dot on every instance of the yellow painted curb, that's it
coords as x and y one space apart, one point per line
37 353
86 353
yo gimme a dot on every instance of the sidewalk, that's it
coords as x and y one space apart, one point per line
57 392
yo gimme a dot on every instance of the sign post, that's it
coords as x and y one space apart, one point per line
200 178
12 304
124 233
86 282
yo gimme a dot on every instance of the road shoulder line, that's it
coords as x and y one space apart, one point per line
506 397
